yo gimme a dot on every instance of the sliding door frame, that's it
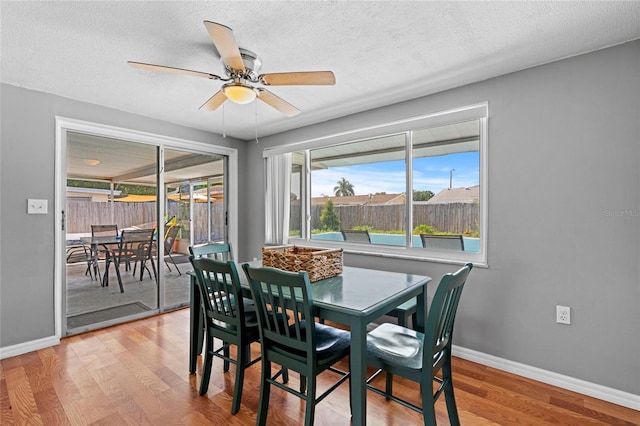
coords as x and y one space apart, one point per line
65 125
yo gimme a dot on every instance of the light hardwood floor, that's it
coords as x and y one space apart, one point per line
137 374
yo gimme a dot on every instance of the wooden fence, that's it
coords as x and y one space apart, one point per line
81 214
451 217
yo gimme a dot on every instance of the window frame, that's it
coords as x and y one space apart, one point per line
407 126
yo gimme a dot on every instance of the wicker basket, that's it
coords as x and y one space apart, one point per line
318 263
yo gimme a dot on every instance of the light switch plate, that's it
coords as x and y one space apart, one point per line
37 206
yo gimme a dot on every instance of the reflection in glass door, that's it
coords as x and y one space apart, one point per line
109 182
195 214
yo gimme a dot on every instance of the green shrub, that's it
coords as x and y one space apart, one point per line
473 233
424 229
329 218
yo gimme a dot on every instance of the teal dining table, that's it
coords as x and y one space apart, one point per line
355 298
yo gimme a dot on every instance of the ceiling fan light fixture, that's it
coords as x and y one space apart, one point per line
91 162
239 93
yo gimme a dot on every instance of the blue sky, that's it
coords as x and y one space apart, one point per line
429 173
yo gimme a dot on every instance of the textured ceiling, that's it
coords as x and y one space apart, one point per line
380 52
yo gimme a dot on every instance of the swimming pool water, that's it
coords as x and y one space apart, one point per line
470 244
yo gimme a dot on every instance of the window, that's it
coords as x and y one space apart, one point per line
360 186
414 189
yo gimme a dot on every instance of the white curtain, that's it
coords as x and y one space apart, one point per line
277 197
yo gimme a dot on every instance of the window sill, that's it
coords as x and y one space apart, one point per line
390 252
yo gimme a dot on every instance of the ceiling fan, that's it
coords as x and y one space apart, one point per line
242 67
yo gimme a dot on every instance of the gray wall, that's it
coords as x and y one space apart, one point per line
567 134
27 144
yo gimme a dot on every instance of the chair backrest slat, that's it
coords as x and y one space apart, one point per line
441 317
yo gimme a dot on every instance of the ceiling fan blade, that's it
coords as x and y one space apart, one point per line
225 42
278 103
298 78
162 68
214 102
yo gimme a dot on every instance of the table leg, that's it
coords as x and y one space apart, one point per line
96 266
116 266
358 361
107 263
195 325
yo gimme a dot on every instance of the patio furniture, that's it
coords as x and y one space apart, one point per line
104 230
226 320
356 236
98 254
143 259
78 252
169 239
442 242
302 345
421 357
135 245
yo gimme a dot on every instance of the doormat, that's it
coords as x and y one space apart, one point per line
106 314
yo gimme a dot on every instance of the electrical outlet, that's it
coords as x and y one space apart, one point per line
563 314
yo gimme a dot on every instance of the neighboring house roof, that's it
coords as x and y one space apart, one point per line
457 195
94 194
362 200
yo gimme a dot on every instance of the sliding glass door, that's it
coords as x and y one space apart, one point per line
110 181
195 212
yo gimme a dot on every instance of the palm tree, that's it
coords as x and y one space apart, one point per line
343 188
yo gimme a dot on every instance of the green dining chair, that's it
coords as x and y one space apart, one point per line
218 251
226 320
221 252
301 345
420 357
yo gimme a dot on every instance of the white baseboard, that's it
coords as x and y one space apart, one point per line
604 393
31 346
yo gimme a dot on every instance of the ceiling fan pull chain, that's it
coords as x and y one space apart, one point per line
224 132
256 122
